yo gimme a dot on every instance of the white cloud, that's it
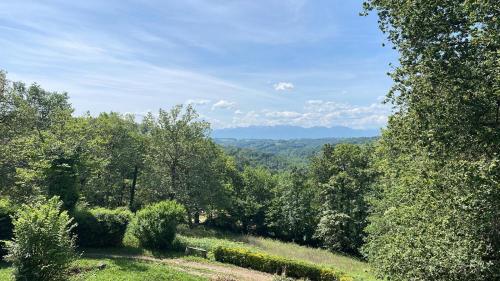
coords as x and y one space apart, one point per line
283 114
320 113
198 101
283 86
224 104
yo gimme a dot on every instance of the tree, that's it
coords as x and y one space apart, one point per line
344 179
447 85
252 197
183 163
435 214
292 214
111 159
30 118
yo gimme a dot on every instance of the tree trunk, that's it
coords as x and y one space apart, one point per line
132 190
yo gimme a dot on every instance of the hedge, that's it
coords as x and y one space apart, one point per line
6 226
277 265
101 227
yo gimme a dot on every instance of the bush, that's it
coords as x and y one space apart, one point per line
155 225
101 227
277 265
43 246
6 227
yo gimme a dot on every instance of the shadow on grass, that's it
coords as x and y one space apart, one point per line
127 265
131 251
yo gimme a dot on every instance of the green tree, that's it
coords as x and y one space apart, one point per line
183 163
344 178
292 214
252 197
30 119
435 214
111 159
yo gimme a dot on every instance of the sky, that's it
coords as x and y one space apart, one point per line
238 62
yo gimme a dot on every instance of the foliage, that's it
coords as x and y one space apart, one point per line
43 246
100 227
62 181
435 214
155 225
292 214
252 197
457 206
274 264
111 158
344 178
182 163
278 155
446 88
30 122
6 226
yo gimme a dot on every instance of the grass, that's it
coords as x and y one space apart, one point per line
5 271
210 239
356 268
118 270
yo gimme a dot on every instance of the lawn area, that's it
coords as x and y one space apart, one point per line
118 270
209 239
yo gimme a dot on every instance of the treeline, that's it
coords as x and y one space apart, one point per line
113 161
422 203
281 154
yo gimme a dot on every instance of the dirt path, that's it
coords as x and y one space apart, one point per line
207 269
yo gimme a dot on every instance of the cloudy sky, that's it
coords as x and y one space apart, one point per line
239 62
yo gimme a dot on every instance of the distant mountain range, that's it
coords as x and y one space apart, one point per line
292 132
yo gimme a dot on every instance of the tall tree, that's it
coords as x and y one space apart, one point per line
183 163
292 214
30 119
344 179
111 158
436 216
252 196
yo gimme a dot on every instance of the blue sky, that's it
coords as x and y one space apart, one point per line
241 63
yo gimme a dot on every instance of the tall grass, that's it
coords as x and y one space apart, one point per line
353 266
210 239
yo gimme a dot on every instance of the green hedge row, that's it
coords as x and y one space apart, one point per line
6 227
274 264
101 227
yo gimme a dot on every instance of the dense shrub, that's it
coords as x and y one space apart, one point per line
155 225
437 222
43 246
6 227
101 227
274 264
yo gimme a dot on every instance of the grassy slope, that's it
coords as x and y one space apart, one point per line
209 239
119 270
